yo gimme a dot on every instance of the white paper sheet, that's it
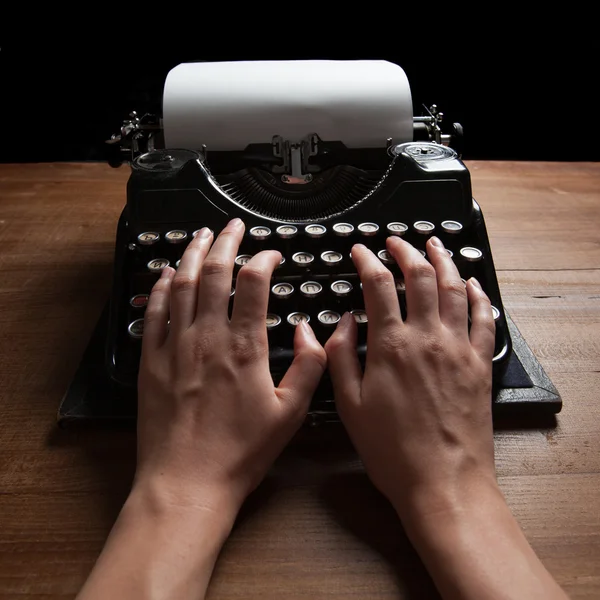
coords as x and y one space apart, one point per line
229 105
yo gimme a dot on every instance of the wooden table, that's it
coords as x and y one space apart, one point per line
316 528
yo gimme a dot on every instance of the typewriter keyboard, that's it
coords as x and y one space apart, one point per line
316 280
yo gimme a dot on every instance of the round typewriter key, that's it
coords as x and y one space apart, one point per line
303 258
287 231
296 318
341 287
283 290
139 300
368 228
315 230
328 317
451 254
232 292
385 257
177 236
199 230
177 264
260 232
156 265
242 259
311 289
136 329
281 262
400 286
471 254
397 228
343 229
331 257
148 238
496 313
424 227
423 253
272 320
451 226
360 316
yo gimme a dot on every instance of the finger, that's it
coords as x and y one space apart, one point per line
342 359
303 375
184 288
156 319
452 295
252 289
379 288
216 273
483 328
419 278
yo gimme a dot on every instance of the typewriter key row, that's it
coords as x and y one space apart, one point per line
313 230
329 258
327 318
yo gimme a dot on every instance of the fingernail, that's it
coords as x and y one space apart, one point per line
166 272
346 319
437 242
235 223
307 328
476 283
204 233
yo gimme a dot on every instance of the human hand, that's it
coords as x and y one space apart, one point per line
210 418
420 416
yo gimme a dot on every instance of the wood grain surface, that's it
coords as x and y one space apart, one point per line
316 528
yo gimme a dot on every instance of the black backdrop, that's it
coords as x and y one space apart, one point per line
532 103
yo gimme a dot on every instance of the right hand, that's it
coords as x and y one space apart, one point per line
420 416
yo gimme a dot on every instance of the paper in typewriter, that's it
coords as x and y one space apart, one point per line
228 105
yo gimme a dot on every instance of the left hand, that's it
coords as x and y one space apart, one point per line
210 420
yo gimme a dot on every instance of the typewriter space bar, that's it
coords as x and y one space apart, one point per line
281 358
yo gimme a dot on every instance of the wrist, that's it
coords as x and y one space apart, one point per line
161 499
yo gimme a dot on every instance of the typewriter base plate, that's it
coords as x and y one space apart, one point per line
525 389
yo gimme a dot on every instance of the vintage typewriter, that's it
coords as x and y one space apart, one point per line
311 198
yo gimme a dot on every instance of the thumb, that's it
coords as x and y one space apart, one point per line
303 375
344 368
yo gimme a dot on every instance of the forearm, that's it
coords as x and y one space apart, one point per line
475 549
159 550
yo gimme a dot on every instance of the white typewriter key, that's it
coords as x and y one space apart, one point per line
423 253
328 317
242 259
199 230
471 254
368 228
496 313
397 228
260 233
283 290
341 287
176 236
296 318
136 329
281 262
424 227
272 320
331 257
451 226
385 257
148 238
303 258
177 264
400 286
343 229
139 300
311 289
360 316
450 253
287 231
315 230
232 292
156 265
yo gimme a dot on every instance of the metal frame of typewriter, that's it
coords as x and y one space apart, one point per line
306 170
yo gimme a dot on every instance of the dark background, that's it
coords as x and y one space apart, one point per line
524 101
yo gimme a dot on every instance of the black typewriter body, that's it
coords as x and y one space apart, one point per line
416 190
